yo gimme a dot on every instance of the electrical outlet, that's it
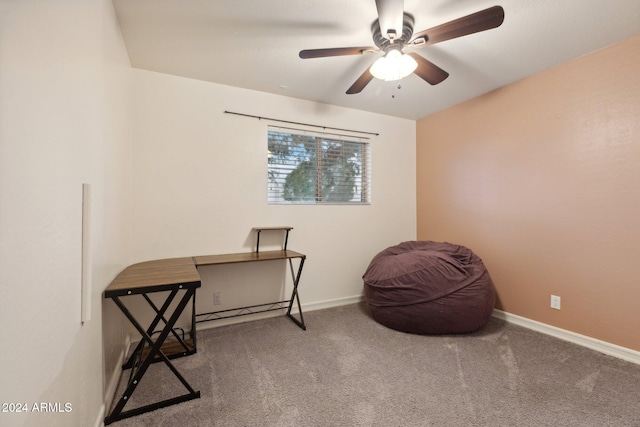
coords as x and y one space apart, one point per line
217 298
555 302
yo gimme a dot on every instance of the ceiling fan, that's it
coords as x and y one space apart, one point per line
393 31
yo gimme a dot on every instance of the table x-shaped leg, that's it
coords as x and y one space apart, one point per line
294 294
118 413
187 349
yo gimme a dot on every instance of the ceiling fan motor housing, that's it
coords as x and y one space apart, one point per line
385 44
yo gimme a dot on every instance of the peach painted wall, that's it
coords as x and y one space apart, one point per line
541 178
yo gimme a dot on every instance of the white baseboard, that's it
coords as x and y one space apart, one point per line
112 386
100 420
319 305
583 340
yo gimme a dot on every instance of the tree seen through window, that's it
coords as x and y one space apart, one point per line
313 169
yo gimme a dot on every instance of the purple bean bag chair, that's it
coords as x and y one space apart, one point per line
427 287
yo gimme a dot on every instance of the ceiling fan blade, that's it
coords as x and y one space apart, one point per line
360 84
338 51
428 71
474 23
390 15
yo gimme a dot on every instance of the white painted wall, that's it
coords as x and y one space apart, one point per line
64 120
194 183
201 182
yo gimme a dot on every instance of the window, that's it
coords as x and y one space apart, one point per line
314 168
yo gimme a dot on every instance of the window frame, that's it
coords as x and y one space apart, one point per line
328 167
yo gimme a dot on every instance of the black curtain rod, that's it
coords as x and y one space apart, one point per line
298 123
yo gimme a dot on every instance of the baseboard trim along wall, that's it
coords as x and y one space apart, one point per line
100 420
583 340
305 307
332 303
112 385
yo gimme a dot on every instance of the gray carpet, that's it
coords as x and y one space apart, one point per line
347 370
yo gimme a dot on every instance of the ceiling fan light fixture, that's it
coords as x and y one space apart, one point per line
393 66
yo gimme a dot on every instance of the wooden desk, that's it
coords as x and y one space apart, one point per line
179 276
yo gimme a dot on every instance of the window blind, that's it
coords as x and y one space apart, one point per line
317 168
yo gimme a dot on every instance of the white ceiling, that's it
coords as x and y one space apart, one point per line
254 44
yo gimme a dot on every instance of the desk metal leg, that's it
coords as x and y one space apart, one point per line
294 295
185 347
117 413
159 316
